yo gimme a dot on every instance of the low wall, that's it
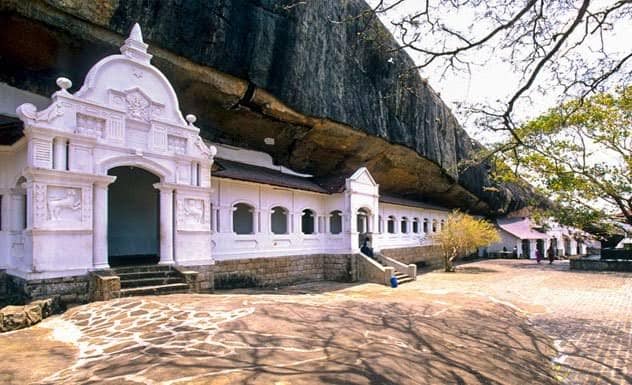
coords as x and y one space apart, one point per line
283 271
69 290
430 255
601 265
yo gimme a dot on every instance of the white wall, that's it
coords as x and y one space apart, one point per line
387 240
507 241
263 243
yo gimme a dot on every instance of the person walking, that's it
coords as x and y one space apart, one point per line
538 256
551 254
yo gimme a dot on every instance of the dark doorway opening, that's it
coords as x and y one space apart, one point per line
133 217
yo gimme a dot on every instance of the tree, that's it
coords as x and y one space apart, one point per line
463 234
580 154
569 48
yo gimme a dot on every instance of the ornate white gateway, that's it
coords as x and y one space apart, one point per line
124 118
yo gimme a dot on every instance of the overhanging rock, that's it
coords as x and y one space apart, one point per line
257 69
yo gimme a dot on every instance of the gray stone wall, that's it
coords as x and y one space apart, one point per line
253 272
283 271
69 290
205 277
430 255
600 265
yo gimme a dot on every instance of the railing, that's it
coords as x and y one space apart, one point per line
410 270
370 270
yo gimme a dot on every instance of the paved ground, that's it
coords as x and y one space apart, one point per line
493 322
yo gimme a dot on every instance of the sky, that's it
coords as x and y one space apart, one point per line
494 79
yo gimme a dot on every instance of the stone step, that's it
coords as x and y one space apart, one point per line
141 268
152 281
399 275
404 280
131 276
173 288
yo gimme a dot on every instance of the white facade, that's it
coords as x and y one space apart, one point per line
55 179
116 169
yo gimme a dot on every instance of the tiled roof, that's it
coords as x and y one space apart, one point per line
247 172
410 203
10 130
520 228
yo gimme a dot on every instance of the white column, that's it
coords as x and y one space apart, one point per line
59 153
166 224
100 227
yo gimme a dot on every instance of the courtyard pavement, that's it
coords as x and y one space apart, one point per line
492 322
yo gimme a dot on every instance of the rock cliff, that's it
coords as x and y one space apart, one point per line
295 71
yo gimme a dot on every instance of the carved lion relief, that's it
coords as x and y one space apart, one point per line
193 211
64 203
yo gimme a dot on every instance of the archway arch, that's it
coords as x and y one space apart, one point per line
133 216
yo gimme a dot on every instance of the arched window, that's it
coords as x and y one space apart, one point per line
243 219
426 225
416 225
404 225
434 225
278 220
307 221
390 225
363 221
442 224
335 222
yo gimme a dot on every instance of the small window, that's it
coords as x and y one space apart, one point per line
278 218
434 225
442 224
426 225
390 225
404 225
335 222
307 222
416 226
243 219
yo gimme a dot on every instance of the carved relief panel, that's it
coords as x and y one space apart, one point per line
193 213
61 207
63 204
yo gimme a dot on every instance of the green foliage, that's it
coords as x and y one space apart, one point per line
578 154
463 234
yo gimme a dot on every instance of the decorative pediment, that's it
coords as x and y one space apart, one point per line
363 176
137 104
124 102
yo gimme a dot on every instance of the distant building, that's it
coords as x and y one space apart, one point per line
527 237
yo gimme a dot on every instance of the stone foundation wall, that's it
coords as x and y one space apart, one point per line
430 255
340 267
253 272
205 277
283 271
601 265
69 290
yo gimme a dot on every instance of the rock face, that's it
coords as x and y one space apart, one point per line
293 70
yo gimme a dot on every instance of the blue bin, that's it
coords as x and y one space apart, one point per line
393 282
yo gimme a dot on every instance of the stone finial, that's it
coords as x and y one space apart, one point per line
136 33
212 151
134 47
191 119
64 83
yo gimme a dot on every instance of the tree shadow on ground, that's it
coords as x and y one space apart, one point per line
342 342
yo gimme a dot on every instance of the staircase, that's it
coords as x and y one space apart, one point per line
150 280
401 277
